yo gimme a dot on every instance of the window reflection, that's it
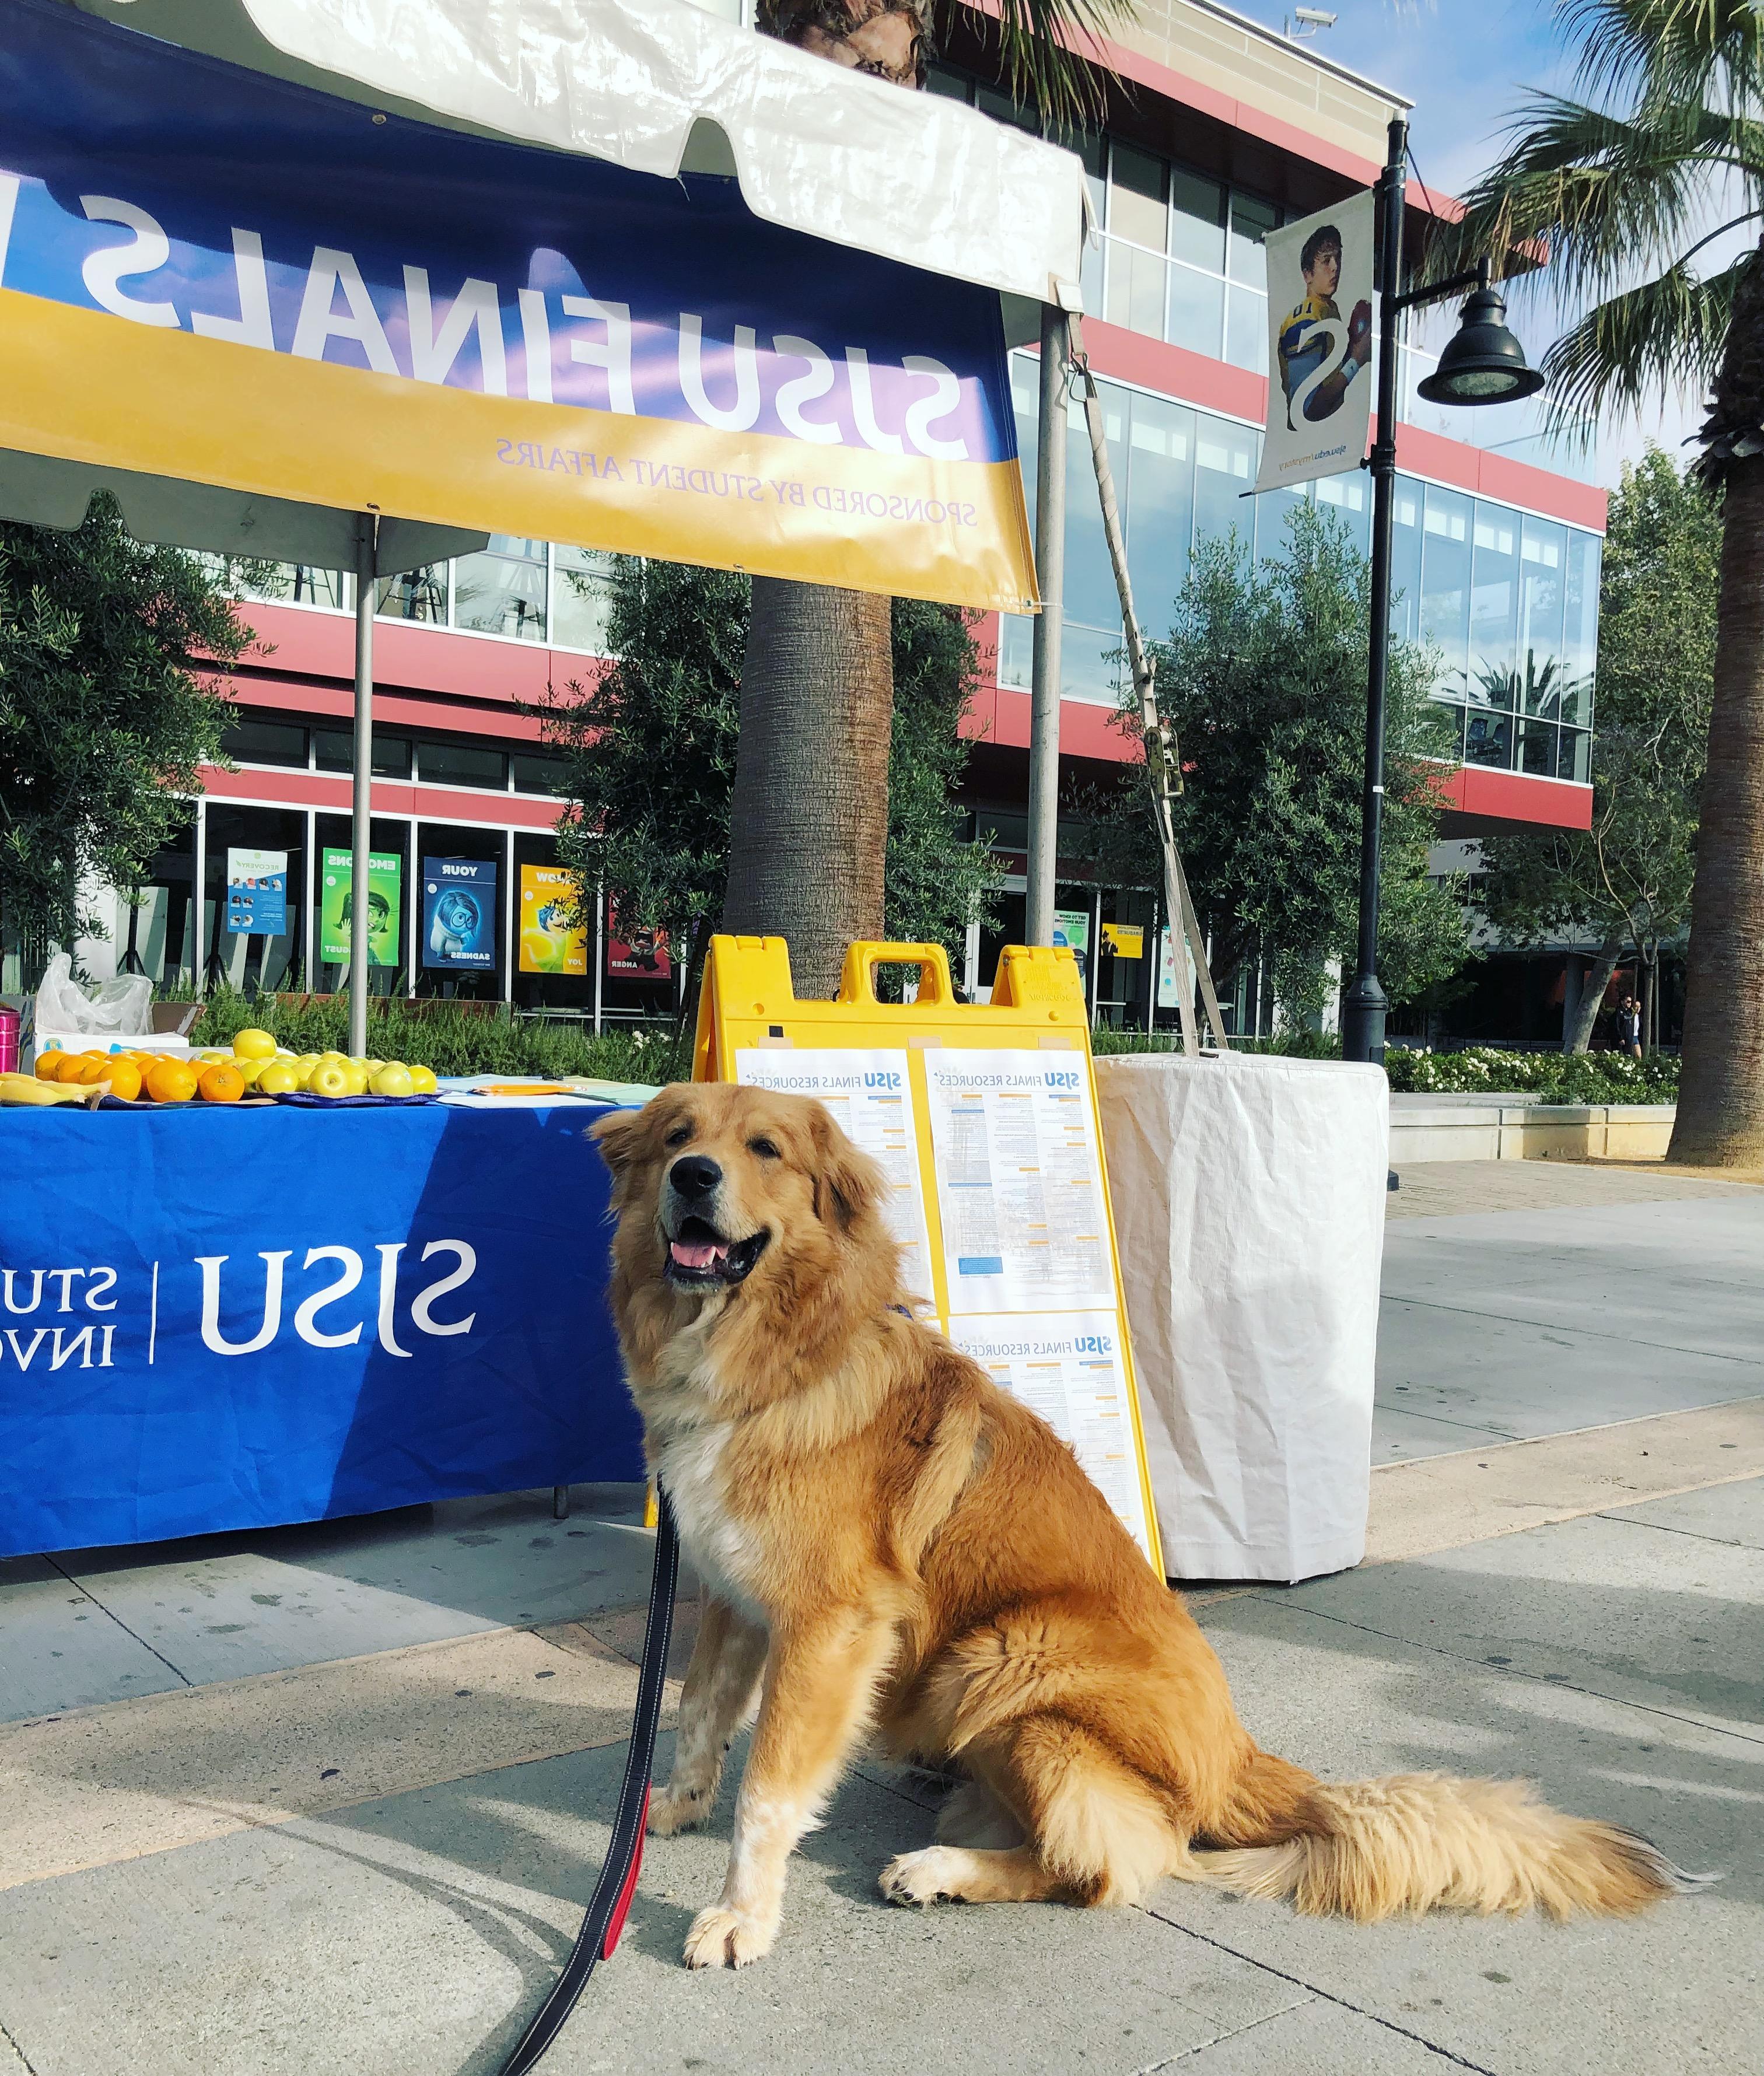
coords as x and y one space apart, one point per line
1445 585
502 591
581 597
419 594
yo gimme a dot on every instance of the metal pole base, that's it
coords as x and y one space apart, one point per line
1363 1011
560 1502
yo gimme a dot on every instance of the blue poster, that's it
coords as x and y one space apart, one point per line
215 1317
257 893
458 914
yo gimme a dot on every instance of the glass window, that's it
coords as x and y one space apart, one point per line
292 584
1197 314
1198 220
1137 209
1405 537
1016 651
1346 497
1452 740
1538 748
1224 468
1273 510
534 774
1090 595
1160 504
1542 551
1093 665
955 85
1580 629
251 741
1002 109
1494 607
1445 585
1488 739
416 595
1093 147
1246 331
1574 756
462 764
333 749
581 597
502 591
1138 289
1251 221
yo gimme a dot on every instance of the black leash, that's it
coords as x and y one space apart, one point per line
613 1893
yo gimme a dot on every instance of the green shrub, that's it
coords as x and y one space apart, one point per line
1555 1077
455 1042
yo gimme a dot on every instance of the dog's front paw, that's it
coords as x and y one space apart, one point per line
928 1876
677 1809
721 1938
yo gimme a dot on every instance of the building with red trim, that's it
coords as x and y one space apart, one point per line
1214 131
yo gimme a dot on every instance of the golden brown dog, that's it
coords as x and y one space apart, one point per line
889 1543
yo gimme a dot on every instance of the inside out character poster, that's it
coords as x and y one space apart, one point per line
1320 345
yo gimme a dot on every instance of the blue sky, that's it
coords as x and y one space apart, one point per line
1466 66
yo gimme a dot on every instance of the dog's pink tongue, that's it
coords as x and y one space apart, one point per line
694 1254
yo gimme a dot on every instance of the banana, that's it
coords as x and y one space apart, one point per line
26 1090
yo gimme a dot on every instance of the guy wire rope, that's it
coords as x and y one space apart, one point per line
1163 759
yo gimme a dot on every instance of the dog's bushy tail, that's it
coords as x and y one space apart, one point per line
1417 1842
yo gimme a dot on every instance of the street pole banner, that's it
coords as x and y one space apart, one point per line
209 274
1319 345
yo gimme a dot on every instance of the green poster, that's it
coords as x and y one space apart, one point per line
385 877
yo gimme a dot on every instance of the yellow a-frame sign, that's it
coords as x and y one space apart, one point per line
983 1116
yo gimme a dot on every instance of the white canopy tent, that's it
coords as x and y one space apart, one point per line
659 87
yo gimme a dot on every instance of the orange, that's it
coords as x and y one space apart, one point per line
171 1081
49 1065
221 1084
68 1066
125 1080
93 1067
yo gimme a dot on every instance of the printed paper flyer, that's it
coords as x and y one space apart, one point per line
256 893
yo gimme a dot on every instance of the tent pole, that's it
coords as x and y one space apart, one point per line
367 527
1050 579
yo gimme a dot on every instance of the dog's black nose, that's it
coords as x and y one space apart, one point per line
692 1175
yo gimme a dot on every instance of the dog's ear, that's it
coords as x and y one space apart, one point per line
847 1181
622 1136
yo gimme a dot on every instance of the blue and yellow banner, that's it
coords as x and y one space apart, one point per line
210 274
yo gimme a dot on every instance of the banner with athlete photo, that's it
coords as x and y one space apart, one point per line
1319 345
209 274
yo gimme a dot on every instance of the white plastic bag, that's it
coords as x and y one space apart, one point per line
121 1008
1249 1208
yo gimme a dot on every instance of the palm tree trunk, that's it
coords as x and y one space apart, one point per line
808 818
1598 978
808 821
1720 1114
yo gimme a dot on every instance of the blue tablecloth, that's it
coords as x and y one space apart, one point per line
223 1317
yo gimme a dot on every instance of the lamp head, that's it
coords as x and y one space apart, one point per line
1484 362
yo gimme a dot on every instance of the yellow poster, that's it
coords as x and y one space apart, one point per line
548 944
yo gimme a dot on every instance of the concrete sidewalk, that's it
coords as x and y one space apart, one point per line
353 1799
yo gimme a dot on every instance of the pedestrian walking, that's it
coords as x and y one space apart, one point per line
1629 1027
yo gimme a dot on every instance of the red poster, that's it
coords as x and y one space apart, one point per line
642 955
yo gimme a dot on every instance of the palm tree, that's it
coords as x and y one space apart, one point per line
809 815
1627 186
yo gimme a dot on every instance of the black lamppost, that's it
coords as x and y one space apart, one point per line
1483 365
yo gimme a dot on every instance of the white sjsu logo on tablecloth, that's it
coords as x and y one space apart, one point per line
241 1314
